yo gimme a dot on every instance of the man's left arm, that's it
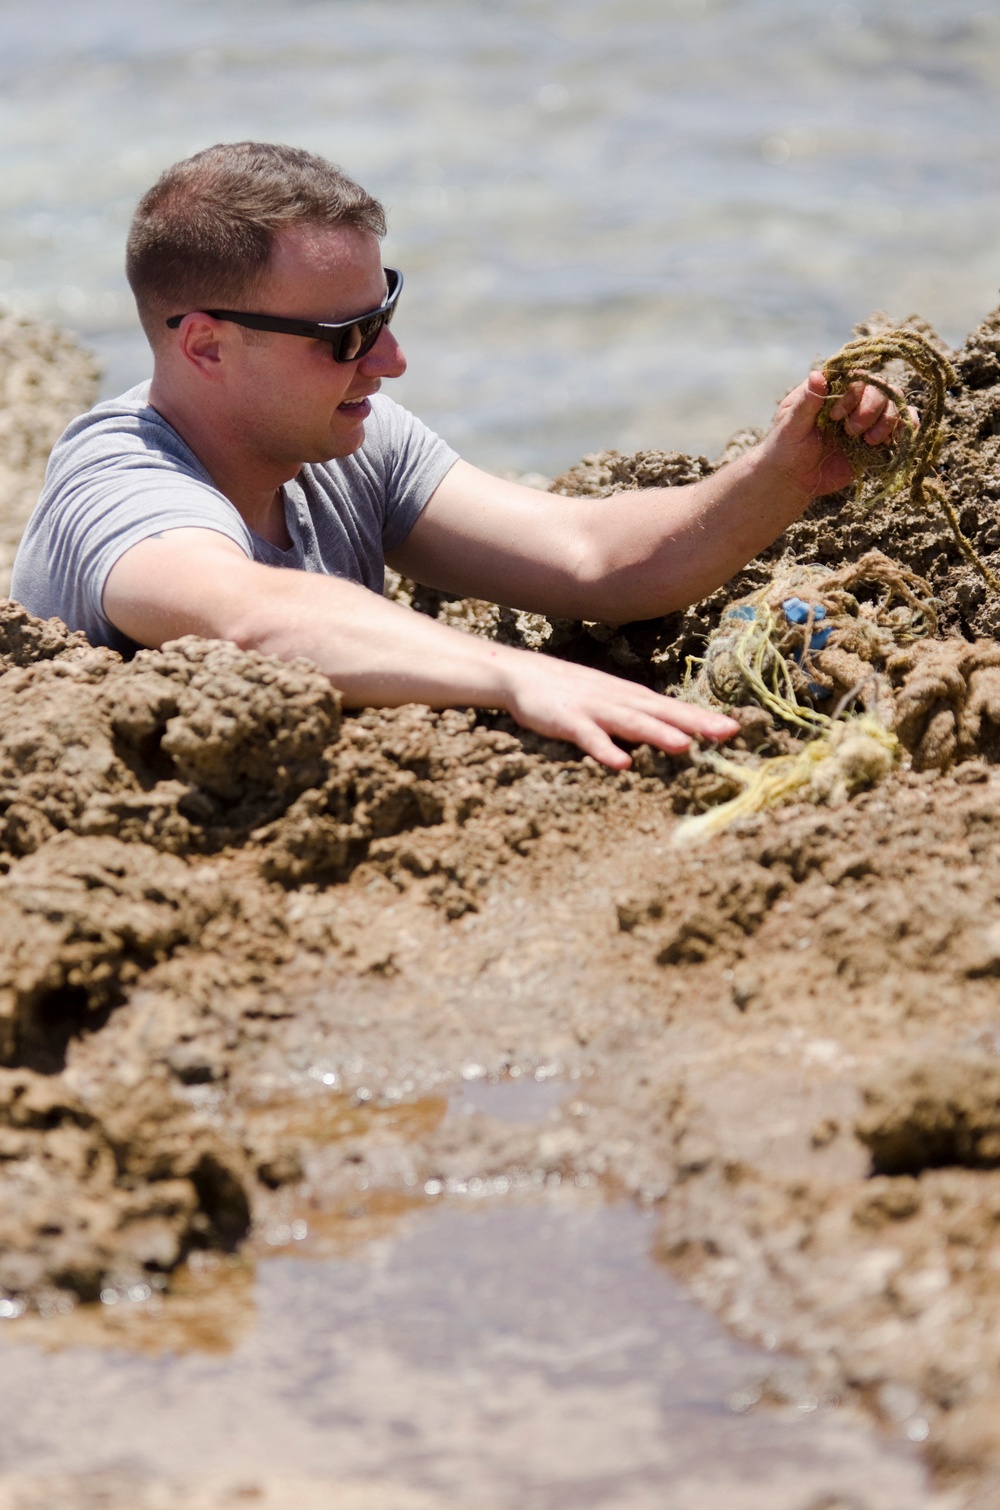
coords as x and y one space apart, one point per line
638 554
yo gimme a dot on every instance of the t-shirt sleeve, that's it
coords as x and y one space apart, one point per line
415 461
97 510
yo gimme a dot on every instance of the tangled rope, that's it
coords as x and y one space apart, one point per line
774 648
882 471
766 646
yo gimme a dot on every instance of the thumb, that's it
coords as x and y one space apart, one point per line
803 404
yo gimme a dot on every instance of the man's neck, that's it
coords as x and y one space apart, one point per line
269 522
253 487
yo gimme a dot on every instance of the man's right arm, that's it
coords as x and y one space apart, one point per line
192 581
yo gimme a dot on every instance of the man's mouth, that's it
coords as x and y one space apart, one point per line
355 405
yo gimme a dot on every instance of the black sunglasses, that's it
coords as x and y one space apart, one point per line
349 339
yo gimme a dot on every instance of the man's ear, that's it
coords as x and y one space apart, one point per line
201 341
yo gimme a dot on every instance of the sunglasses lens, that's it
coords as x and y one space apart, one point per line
359 339
352 340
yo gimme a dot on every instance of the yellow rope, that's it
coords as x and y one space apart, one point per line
766 672
759 654
852 754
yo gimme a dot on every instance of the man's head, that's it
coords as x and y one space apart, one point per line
274 231
205 233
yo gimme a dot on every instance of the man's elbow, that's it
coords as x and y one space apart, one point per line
257 613
273 621
606 586
594 575
255 627
616 591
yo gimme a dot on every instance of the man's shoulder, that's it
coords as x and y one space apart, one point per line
394 436
126 427
129 412
389 423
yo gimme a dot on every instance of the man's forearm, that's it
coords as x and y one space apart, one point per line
377 653
659 549
191 581
639 554
374 651
646 567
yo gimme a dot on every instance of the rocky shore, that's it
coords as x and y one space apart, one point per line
249 945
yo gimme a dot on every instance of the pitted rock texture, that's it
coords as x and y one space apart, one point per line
80 920
188 747
46 379
930 1113
120 1196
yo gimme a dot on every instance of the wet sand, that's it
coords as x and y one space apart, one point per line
252 950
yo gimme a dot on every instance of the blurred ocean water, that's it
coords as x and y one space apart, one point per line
622 222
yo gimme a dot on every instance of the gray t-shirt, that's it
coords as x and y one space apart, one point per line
120 474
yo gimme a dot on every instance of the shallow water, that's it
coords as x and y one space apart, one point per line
623 222
530 1357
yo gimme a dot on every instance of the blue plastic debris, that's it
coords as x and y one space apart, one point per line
744 611
797 611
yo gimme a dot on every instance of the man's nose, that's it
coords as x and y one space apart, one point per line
386 357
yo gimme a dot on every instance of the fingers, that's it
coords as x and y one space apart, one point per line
884 427
809 457
592 740
645 717
694 720
866 411
846 402
640 728
593 734
593 710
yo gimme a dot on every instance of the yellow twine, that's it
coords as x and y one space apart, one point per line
757 654
767 673
852 754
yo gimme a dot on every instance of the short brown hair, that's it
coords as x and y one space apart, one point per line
204 233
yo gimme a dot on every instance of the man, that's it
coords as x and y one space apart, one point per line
262 443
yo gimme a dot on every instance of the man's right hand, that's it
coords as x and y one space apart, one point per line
566 701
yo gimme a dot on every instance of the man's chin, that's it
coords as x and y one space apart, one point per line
344 443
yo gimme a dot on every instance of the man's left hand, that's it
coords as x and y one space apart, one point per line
810 456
